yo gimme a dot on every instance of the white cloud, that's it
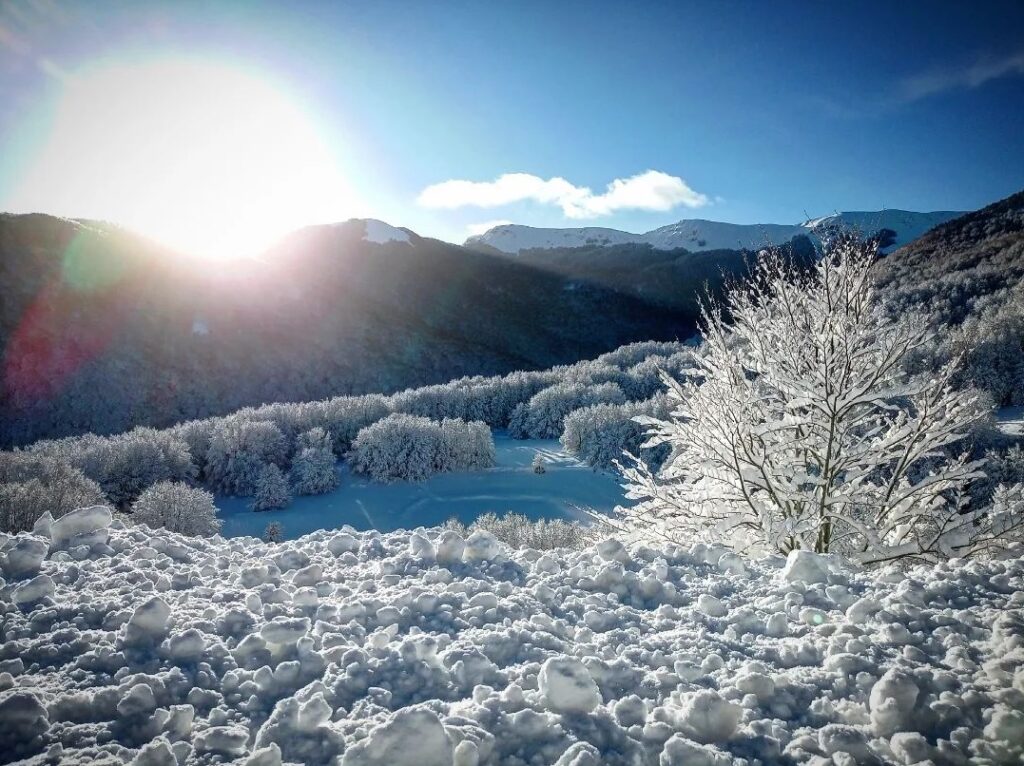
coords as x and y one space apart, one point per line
475 229
651 190
967 77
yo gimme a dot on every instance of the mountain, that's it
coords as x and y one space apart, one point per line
102 330
699 235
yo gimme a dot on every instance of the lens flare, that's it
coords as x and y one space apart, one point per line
206 157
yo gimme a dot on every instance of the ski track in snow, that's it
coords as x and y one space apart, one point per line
120 644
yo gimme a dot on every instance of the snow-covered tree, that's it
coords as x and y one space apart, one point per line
345 416
542 417
31 486
177 507
126 464
271 490
240 448
600 434
411 448
312 471
801 428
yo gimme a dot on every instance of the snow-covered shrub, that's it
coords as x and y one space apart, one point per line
543 415
31 486
239 450
538 465
599 435
125 465
407 447
313 471
517 531
271 490
177 507
804 431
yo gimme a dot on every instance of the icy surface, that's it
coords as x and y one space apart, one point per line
418 647
697 235
512 485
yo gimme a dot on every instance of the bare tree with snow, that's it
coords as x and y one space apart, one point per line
801 429
177 507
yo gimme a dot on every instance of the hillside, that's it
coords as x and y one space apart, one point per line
674 279
976 255
102 330
699 235
424 649
968 276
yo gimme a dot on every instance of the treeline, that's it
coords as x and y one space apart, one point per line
271 452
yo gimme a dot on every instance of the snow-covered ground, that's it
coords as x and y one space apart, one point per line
420 648
566 487
1010 420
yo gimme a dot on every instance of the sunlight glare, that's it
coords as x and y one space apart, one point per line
205 157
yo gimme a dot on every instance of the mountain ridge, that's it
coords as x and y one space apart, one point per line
699 234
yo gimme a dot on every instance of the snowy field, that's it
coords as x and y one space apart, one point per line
421 649
1010 420
567 486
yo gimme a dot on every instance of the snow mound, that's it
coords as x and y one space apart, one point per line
123 644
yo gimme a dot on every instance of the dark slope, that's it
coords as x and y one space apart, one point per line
102 330
674 279
961 264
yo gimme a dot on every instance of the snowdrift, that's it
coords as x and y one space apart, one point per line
122 644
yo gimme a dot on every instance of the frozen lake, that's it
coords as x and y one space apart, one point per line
511 485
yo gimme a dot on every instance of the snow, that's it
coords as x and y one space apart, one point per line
419 647
380 233
698 235
805 567
1010 420
414 737
567 687
567 486
84 526
24 558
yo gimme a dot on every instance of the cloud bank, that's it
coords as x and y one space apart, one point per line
651 190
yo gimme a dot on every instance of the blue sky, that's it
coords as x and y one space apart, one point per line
748 111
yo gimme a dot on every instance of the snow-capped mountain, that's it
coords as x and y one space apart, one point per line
698 235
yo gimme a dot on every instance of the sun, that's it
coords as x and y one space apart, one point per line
207 157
